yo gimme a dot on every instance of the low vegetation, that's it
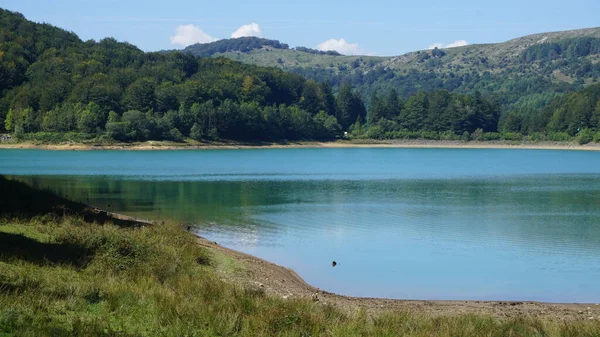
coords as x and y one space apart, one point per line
63 276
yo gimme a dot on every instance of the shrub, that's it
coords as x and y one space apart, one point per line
448 135
477 135
585 136
559 136
512 136
492 136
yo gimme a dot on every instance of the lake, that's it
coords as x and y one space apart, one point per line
469 224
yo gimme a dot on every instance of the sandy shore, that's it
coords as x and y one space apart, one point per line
280 281
152 145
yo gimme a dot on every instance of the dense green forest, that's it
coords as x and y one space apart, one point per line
242 44
53 82
53 86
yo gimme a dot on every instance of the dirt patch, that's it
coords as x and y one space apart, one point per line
451 144
285 283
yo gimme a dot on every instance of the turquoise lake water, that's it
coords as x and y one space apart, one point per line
402 223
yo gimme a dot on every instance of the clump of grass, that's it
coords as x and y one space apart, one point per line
156 280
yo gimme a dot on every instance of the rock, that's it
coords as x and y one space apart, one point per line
261 285
315 297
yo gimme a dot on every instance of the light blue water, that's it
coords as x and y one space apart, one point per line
402 223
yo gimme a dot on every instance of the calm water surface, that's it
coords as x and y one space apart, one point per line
402 223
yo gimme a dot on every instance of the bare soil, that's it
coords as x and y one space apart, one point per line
280 281
368 143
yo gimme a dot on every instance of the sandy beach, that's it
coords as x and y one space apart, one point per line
155 145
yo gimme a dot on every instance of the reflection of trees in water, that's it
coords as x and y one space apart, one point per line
558 211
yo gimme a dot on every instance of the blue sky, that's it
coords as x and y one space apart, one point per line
379 27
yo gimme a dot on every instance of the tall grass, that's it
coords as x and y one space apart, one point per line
71 278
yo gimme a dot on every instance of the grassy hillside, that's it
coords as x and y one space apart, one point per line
490 68
62 276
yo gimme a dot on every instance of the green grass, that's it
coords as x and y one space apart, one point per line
63 276
72 278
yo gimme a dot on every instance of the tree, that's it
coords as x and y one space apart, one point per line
8 122
393 105
328 99
91 119
377 109
311 100
414 112
136 125
349 107
326 126
140 95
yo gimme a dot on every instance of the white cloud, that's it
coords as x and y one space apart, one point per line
435 45
252 29
457 43
186 35
341 46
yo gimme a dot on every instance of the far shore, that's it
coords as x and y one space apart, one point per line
425 144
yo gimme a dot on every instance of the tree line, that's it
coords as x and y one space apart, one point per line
52 83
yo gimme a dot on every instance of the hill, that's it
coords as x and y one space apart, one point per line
55 87
520 69
53 83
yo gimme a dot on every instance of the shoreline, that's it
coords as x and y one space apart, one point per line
284 282
407 144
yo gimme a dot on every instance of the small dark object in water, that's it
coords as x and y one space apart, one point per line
108 205
189 228
333 264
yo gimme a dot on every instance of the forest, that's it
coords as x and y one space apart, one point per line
54 86
241 44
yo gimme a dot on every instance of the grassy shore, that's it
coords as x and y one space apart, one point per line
66 277
63 276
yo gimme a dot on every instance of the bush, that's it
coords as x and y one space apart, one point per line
515 136
585 136
559 136
477 135
431 135
492 136
537 136
448 135
376 132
